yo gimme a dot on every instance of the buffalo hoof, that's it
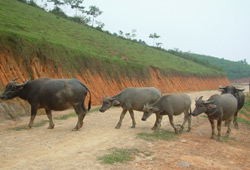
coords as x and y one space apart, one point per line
180 130
29 127
75 129
133 126
212 137
117 127
219 139
51 127
155 128
236 126
81 125
188 130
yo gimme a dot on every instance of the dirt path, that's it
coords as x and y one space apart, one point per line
60 148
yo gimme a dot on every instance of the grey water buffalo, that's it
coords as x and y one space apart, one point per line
238 93
217 107
130 99
171 105
51 94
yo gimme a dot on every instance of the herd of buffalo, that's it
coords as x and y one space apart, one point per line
60 94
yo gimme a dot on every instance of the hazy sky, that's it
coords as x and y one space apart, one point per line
219 28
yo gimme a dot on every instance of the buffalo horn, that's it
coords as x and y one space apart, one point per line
220 87
14 79
208 101
198 99
21 85
240 89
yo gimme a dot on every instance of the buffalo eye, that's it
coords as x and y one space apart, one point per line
200 105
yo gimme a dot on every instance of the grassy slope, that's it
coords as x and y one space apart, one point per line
60 39
235 70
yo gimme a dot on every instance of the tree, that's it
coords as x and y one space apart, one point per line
58 11
128 35
133 34
100 25
154 36
75 4
94 12
57 3
121 33
158 45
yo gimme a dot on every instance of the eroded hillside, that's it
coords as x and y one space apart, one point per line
98 84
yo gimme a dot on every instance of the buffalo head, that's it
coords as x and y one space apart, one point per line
108 102
230 89
147 111
202 106
12 89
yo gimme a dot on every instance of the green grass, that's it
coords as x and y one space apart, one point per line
245 110
245 113
243 121
118 156
225 138
157 135
76 46
247 102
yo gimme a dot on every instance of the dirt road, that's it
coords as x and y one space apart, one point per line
61 148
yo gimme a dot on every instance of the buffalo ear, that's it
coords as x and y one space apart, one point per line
116 103
155 109
211 106
200 98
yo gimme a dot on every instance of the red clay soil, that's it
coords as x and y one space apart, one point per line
242 80
11 68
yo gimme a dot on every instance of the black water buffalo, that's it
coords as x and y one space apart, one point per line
130 99
171 105
51 94
217 107
238 93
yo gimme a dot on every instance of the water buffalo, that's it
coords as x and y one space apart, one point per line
51 94
171 105
217 107
238 93
130 99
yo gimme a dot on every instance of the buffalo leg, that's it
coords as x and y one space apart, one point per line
189 122
158 120
33 115
186 117
124 111
229 128
236 126
219 129
170 116
213 128
81 114
49 115
133 118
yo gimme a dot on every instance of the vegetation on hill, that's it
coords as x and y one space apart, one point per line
234 69
28 31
